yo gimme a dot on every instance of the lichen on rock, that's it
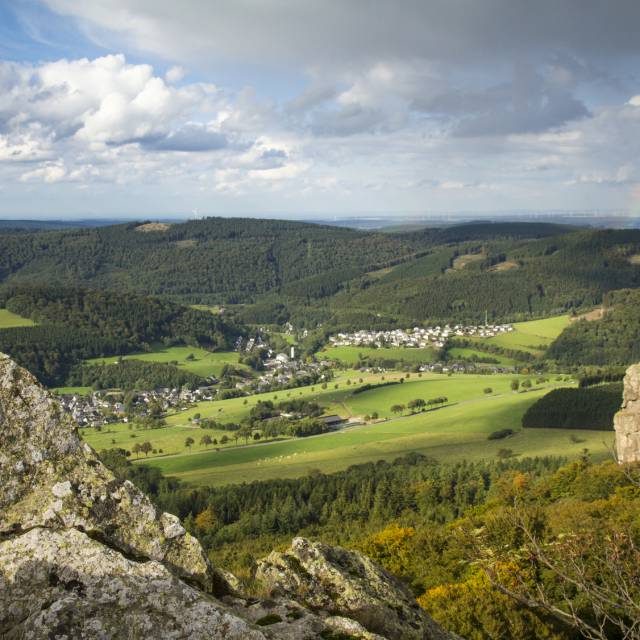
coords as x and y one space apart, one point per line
347 583
63 584
627 421
50 478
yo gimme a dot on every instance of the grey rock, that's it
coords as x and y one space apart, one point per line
346 583
64 485
63 584
627 421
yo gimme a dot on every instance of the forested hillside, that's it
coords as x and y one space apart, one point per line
510 279
74 324
612 340
213 260
583 408
314 274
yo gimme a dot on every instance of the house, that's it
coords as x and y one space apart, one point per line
333 420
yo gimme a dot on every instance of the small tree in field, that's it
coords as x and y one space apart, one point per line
397 408
206 440
189 442
515 385
146 447
137 448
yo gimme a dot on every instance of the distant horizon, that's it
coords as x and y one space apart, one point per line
364 220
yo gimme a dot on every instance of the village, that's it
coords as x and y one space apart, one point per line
281 371
418 337
102 407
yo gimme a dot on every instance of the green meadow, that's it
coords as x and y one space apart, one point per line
466 353
343 401
78 391
532 336
170 439
9 320
204 363
215 309
351 355
455 432
460 390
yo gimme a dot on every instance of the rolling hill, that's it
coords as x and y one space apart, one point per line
274 271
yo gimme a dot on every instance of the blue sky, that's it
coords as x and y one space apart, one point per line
134 108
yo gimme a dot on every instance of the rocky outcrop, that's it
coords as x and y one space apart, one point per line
63 584
627 421
347 583
49 478
84 555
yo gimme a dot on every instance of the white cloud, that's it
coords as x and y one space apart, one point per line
49 172
174 74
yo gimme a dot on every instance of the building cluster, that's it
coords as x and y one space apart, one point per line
418 337
103 407
282 370
247 345
448 367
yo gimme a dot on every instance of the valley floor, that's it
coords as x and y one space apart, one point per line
457 431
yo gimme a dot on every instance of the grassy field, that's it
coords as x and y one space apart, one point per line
215 309
456 431
170 439
350 355
530 336
466 353
342 401
452 433
79 391
205 363
9 320
347 404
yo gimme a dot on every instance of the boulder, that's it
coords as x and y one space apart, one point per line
51 479
627 421
347 583
62 584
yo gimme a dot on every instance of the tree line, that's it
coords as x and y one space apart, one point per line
75 324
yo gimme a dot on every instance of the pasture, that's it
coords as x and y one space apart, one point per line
170 439
449 434
77 391
10 320
457 430
468 354
532 336
204 363
351 355
343 401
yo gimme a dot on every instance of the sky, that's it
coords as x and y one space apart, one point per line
158 108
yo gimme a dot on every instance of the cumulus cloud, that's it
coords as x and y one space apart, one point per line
67 117
434 104
101 101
